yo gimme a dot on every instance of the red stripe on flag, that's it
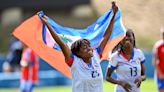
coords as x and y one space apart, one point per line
30 33
110 45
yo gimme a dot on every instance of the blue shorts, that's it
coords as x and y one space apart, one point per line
160 83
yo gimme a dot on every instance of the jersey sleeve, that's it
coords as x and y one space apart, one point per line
70 61
142 57
98 49
113 62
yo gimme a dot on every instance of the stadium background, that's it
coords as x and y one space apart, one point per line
144 17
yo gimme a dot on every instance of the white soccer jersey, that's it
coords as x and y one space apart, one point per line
87 78
127 70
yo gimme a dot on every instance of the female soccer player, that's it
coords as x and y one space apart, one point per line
128 63
158 62
83 60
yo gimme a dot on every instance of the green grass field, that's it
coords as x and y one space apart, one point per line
147 86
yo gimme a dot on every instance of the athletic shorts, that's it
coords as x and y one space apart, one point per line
160 83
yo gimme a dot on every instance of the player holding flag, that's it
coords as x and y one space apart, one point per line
83 60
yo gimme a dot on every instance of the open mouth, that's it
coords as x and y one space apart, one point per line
127 41
90 52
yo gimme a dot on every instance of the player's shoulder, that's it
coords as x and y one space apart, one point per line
158 43
138 52
114 54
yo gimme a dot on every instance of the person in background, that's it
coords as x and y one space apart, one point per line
128 62
158 62
14 56
29 70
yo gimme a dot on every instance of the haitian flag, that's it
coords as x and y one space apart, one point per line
36 35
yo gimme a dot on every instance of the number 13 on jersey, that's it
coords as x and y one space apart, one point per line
133 71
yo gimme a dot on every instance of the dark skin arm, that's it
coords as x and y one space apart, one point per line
125 85
142 77
65 49
109 28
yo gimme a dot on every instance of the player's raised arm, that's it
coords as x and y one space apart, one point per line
109 29
65 49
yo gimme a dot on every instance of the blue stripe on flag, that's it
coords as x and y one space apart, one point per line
95 31
44 33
